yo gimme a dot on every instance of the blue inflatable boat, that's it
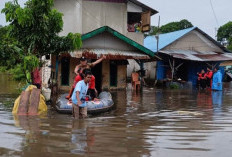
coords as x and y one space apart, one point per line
103 105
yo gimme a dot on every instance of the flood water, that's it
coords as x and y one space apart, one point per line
155 122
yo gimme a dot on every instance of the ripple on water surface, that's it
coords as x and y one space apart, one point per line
152 123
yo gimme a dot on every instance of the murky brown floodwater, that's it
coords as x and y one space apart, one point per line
154 123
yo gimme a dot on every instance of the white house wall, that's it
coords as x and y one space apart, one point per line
107 41
150 68
131 7
85 16
97 14
46 72
194 41
72 15
136 36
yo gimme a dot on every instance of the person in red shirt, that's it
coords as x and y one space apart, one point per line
198 80
36 78
209 76
201 79
92 92
78 78
79 70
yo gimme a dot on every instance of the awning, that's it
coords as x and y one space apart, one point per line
198 56
110 54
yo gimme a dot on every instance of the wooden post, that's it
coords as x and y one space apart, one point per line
172 65
34 102
23 103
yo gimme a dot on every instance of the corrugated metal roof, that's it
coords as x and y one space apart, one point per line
166 39
226 63
109 53
198 56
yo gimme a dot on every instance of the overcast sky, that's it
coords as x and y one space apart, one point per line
199 12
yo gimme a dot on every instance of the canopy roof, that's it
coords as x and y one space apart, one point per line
110 54
198 56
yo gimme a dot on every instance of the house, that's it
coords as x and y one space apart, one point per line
185 53
107 28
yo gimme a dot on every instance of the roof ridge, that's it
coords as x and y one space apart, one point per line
120 36
190 28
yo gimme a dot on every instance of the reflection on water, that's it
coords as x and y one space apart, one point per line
154 122
8 90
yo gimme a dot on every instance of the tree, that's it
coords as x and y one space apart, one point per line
36 28
171 27
10 52
225 34
37 25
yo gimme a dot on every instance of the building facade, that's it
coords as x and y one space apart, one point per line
108 27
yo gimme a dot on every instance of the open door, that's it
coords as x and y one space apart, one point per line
97 72
146 21
65 61
113 74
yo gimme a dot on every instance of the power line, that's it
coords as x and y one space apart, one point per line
214 12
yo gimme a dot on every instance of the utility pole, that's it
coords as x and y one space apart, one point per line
157 36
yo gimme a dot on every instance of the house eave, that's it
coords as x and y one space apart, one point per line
119 36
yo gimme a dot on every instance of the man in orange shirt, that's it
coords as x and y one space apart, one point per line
209 76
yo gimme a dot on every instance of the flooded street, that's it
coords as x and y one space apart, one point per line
155 122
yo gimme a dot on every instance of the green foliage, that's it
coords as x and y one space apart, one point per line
30 63
18 73
225 31
174 86
171 27
10 51
3 69
36 27
229 46
32 32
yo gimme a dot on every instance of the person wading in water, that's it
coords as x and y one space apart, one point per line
79 96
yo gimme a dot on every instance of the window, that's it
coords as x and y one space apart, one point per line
138 22
133 21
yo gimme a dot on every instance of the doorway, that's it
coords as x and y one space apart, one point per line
113 74
97 72
65 61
